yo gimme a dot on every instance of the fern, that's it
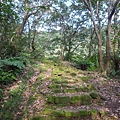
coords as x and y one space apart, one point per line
16 61
10 68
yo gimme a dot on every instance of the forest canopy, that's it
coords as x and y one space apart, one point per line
85 32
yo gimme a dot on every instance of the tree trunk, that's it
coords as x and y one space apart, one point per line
108 47
21 27
98 33
29 34
100 55
108 42
90 45
116 31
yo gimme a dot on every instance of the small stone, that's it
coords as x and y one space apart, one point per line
119 101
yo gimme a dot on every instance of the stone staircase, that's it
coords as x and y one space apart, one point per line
71 97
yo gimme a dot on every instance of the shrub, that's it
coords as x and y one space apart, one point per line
10 68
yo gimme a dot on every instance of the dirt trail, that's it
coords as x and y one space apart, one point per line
37 106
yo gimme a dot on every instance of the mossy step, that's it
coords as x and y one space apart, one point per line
65 90
71 89
60 81
65 113
53 86
84 99
87 88
50 114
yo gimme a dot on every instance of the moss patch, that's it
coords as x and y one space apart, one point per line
91 87
58 113
93 113
83 113
94 95
85 99
75 100
85 78
73 74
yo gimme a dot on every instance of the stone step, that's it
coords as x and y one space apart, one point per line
74 114
72 89
83 99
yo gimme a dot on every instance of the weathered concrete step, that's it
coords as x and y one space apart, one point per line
83 99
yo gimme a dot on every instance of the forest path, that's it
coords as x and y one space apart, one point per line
60 91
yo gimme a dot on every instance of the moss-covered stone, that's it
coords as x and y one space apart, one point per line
51 99
43 68
56 79
75 100
65 90
68 113
85 89
103 113
54 86
73 74
62 100
38 118
58 113
94 95
78 89
57 86
75 114
48 111
71 90
51 86
85 99
61 81
57 90
67 71
91 87
83 113
49 117
93 113
85 78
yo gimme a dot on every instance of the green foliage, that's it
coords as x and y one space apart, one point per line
7 76
94 95
10 68
1 93
14 93
13 62
86 63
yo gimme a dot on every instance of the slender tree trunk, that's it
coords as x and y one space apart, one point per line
21 27
62 52
29 34
108 48
100 55
116 31
98 33
108 40
34 35
115 44
90 45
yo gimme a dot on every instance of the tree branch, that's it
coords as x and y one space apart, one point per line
113 10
